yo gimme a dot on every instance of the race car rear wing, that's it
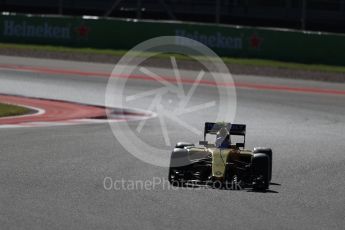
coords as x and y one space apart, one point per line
233 129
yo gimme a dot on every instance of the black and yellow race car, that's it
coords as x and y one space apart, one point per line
222 163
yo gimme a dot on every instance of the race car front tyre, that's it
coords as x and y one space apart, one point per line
269 153
260 171
179 159
173 179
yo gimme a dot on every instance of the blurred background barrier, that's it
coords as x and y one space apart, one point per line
319 15
234 41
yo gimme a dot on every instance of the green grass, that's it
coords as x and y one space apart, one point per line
12 110
228 60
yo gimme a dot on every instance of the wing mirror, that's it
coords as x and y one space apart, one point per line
203 143
240 145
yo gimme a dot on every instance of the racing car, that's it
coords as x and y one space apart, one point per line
222 162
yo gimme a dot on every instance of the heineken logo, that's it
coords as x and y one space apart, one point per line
255 41
216 40
82 31
13 28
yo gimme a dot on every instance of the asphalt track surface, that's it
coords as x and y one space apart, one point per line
52 177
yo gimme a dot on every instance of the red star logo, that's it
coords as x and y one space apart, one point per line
82 31
255 41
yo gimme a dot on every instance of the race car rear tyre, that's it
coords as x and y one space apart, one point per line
260 171
269 153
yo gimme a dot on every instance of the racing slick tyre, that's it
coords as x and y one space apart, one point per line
178 161
269 153
260 171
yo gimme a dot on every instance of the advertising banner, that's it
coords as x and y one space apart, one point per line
233 41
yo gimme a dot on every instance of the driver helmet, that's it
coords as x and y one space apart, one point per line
223 138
